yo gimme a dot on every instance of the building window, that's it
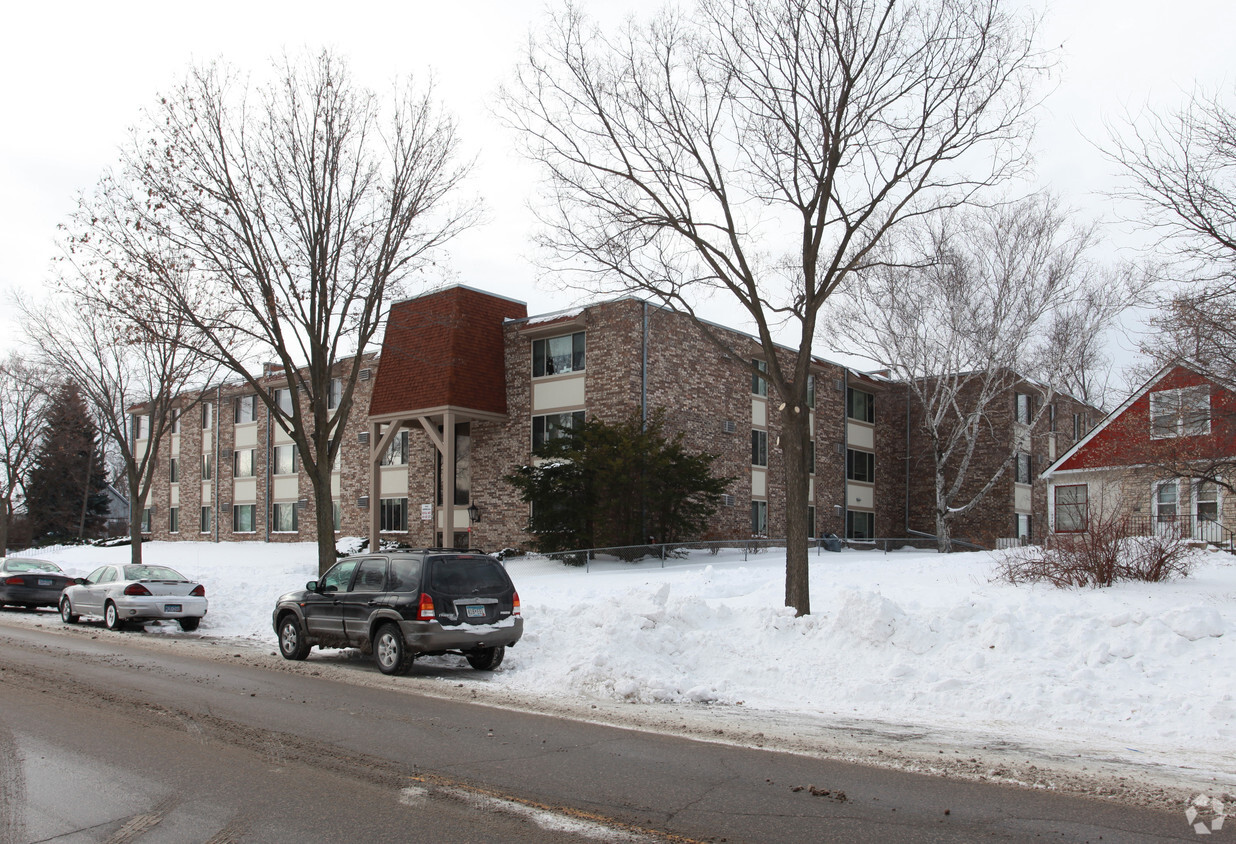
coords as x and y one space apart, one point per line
285 459
393 513
173 470
284 517
334 393
1180 413
207 466
860 466
1072 508
1206 501
1023 527
558 355
205 523
860 406
246 409
554 425
811 522
208 416
283 400
141 427
859 524
810 391
1025 470
336 510
1024 407
1051 418
243 518
175 420
463 466
1166 499
759 448
811 457
147 515
759 518
1079 425
396 453
244 462
759 384
173 520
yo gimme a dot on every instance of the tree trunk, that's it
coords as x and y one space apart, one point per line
137 505
795 435
324 515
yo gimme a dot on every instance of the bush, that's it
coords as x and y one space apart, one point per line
1107 553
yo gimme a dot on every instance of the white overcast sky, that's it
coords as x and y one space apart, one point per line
76 75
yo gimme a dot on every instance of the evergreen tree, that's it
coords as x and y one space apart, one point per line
603 485
68 472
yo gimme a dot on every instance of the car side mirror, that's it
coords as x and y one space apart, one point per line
312 586
80 581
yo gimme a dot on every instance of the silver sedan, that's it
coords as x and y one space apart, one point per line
124 593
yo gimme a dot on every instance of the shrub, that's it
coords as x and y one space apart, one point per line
1106 553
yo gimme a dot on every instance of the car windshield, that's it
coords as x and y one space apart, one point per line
31 565
467 575
151 573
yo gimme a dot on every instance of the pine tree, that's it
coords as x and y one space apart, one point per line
68 473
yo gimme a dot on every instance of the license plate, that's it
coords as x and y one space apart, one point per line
476 612
45 581
171 607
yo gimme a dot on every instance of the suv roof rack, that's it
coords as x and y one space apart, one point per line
439 551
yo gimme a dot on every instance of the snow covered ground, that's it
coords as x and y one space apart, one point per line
1142 672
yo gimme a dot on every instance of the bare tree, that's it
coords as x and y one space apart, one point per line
1180 170
297 211
1001 298
762 150
125 372
23 403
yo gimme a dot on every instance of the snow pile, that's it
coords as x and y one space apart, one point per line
909 637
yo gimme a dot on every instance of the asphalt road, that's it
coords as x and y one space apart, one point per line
103 739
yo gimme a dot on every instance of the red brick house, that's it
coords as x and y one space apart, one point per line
1162 459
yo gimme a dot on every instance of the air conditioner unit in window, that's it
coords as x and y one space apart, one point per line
841 448
363 502
839 385
302 504
362 437
729 426
727 500
365 374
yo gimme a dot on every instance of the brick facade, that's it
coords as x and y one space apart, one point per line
637 356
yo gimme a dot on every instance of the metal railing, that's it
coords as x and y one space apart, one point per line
1187 527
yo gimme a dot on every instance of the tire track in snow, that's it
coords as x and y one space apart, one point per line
12 790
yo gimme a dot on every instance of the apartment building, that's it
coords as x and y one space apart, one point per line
474 364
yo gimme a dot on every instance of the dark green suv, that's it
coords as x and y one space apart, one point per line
403 604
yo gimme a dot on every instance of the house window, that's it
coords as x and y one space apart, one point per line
175 420
141 427
810 391
396 453
243 520
1023 527
285 460
1024 407
860 466
463 466
759 448
1180 413
759 518
1206 501
1079 425
208 416
759 384
558 355
173 470
284 517
393 513
146 519
336 511
207 466
811 522
334 393
283 400
1025 468
1051 418
554 425
859 524
205 521
1072 508
173 520
244 461
1166 500
245 410
860 406
811 457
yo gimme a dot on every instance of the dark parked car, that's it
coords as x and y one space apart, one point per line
31 583
405 604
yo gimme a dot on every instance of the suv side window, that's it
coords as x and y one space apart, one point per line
405 574
337 579
371 576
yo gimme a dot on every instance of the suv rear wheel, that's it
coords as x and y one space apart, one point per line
486 659
391 651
